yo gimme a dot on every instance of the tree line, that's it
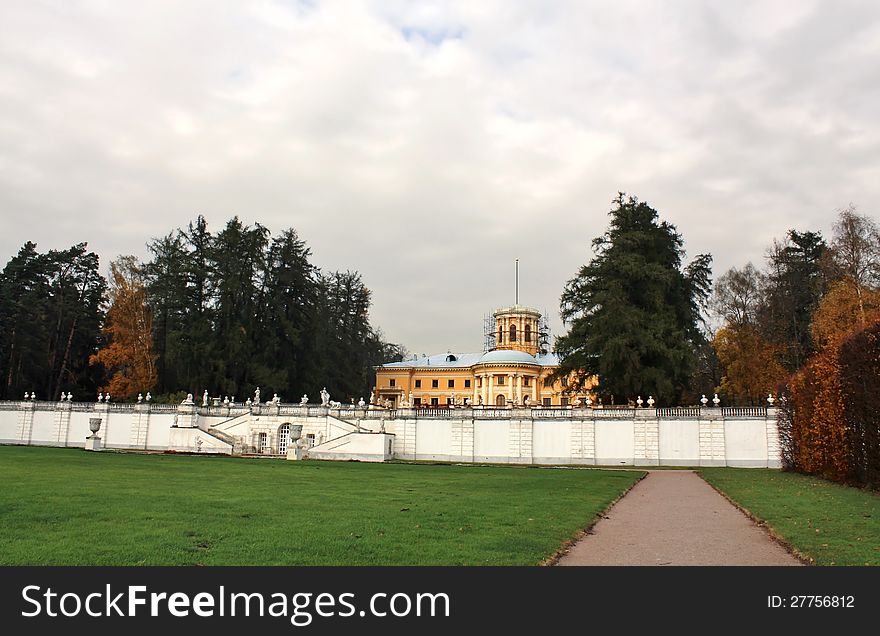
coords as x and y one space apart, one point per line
809 294
641 321
224 312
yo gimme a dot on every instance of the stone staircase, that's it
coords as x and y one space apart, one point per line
237 448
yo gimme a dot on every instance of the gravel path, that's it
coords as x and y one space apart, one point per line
673 517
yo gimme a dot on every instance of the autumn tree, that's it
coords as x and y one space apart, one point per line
750 363
128 356
751 367
855 252
843 310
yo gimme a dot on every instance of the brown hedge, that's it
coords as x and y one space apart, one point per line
830 425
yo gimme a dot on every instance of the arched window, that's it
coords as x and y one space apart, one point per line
513 333
500 336
500 400
283 438
528 333
451 358
263 443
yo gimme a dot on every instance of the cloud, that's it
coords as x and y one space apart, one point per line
428 145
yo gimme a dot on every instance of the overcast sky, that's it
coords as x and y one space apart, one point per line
427 145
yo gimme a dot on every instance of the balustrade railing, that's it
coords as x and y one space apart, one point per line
163 408
552 413
744 411
348 413
679 412
612 413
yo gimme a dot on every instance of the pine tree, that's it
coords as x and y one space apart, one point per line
633 311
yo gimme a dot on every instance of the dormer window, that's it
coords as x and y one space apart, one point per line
451 358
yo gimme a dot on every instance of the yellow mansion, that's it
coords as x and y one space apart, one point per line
516 370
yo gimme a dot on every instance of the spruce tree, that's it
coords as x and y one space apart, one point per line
633 311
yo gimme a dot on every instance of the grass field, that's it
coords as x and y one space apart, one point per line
827 522
72 507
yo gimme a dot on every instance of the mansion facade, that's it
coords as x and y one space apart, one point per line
517 369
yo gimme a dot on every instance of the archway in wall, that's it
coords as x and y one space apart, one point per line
283 438
500 400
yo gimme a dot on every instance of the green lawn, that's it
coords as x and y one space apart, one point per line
72 507
830 523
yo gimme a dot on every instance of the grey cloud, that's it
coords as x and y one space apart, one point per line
495 131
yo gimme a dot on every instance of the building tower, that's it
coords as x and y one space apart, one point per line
517 328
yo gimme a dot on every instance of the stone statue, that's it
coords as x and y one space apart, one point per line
148 398
140 397
257 396
410 401
70 396
381 426
304 399
361 403
106 398
189 399
319 439
276 399
526 400
372 398
226 401
247 403
205 398
325 397
62 397
100 396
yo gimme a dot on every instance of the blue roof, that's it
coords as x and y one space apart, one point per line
508 356
463 360
467 360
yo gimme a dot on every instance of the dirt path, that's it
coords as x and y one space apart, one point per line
673 517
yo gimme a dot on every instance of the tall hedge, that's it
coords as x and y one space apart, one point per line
860 384
831 422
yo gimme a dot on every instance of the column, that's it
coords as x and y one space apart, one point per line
509 388
519 388
62 423
535 381
474 399
25 422
489 397
774 448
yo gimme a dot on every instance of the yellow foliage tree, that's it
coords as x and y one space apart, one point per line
128 356
843 310
751 367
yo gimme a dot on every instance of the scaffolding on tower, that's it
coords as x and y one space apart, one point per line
544 335
488 333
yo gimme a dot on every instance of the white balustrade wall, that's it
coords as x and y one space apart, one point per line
745 437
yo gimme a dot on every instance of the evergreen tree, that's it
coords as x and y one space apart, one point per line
633 311
796 282
51 312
